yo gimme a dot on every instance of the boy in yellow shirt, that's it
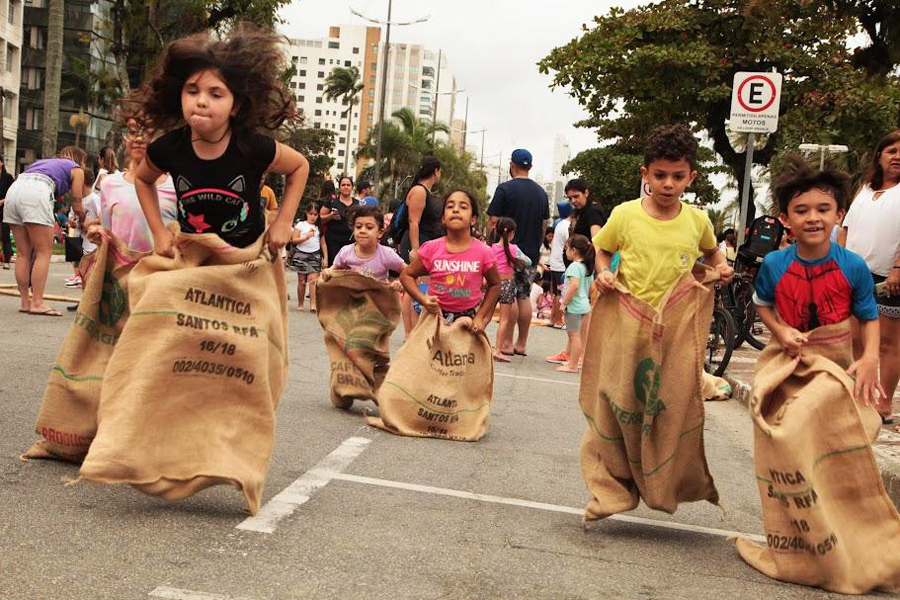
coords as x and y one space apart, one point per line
659 237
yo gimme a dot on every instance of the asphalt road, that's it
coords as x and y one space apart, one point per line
404 519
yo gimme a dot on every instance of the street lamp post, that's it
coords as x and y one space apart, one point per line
384 74
437 92
824 149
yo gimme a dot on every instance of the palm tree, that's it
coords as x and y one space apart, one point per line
343 82
419 130
53 77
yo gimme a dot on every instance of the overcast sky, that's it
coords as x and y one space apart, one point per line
492 47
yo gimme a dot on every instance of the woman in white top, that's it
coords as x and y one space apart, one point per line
872 230
306 256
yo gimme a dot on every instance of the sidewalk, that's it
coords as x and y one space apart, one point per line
886 447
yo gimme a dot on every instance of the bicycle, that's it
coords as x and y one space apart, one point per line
720 342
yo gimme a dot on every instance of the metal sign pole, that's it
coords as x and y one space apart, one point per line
745 189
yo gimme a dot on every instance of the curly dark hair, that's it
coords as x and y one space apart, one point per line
359 211
671 142
798 178
250 61
875 175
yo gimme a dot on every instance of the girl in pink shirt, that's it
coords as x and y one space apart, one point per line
509 260
457 264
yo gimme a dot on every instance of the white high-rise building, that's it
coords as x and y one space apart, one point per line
413 77
412 82
11 19
561 155
346 46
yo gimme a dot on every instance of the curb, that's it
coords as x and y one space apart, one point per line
886 447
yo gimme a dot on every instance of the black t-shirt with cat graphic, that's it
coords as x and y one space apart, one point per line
219 195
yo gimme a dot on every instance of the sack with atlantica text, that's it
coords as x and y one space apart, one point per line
189 397
440 384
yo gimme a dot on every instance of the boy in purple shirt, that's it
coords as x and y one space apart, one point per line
367 256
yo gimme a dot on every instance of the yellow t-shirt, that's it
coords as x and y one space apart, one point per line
268 194
653 254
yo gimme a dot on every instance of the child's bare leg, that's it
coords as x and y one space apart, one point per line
301 290
505 344
585 325
574 353
503 332
311 279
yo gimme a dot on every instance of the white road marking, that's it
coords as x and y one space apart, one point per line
427 489
178 594
286 502
575 383
747 360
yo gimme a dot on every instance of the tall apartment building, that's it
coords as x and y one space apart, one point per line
10 76
83 39
412 81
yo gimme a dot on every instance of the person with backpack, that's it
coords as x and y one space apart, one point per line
419 219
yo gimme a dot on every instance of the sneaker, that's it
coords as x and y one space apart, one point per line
71 278
561 358
73 281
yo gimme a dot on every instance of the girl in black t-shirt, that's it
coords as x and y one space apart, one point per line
211 97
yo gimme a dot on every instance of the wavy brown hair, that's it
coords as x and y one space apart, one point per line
250 61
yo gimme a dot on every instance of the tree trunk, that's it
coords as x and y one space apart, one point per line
347 151
118 48
55 20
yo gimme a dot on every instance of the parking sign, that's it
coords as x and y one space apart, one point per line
755 100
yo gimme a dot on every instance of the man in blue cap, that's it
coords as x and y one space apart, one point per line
525 202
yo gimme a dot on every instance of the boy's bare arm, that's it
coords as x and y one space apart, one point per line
791 339
715 258
867 387
606 279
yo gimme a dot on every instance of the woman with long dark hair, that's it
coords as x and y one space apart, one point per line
424 212
334 214
872 229
589 216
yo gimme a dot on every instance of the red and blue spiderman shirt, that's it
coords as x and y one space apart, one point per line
810 294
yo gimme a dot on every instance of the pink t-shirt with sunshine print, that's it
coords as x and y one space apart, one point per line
456 277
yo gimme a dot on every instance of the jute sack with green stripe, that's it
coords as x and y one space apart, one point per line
67 420
641 393
189 397
358 314
829 522
440 383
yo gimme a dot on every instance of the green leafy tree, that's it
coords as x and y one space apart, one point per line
460 172
344 83
316 145
674 61
613 174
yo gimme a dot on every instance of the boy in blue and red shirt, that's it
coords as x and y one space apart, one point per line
816 282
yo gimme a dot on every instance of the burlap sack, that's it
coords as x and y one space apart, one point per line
829 522
440 384
189 396
641 394
358 315
67 420
714 388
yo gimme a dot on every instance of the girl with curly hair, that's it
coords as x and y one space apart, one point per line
215 99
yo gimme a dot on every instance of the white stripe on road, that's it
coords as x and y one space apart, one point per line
286 502
747 360
427 489
575 383
178 594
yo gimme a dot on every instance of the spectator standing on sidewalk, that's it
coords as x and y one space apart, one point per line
525 202
6 180
558 269
872 229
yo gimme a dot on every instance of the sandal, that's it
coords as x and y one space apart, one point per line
886 419
501 358
520 353
47 312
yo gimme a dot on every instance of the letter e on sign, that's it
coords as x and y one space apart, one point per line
755 101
